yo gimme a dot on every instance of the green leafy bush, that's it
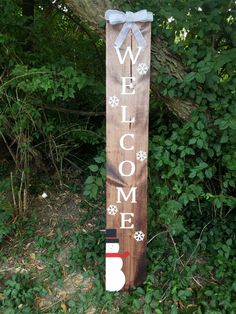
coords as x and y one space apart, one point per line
19 294
96 181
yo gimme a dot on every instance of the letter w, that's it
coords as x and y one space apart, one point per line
128 51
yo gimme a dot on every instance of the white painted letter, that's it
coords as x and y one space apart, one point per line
121 192
132 170
128 51
124 116
130 85
122 142
124 220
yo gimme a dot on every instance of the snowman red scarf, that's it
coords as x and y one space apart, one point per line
121 255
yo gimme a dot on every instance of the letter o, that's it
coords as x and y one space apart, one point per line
132 169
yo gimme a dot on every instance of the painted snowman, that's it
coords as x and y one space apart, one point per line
115 278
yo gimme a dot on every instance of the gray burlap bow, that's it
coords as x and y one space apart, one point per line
129 18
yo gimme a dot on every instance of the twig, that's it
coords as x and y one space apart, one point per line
25 200
18 77
51 140
176 250
92 205
21 181
198 242
228 212
156 236
199 205
9 149
20 202
50 306
197 282
13 192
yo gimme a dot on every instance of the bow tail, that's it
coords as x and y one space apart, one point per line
122 35
138 35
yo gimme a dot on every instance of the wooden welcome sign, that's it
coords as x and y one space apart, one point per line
128 37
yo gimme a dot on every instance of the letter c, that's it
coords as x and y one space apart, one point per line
122 145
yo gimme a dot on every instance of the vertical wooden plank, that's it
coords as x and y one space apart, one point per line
137 107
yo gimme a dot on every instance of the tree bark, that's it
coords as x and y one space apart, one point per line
92 11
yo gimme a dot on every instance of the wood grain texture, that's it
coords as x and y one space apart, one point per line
134 266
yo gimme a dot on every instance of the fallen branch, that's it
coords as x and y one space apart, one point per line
73 111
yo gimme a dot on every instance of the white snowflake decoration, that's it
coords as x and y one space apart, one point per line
112 209
113 101
139 236
142 68
141 155
44 195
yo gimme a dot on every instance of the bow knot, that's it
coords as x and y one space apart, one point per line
129 18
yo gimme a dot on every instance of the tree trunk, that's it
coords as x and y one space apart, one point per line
92 11
28 12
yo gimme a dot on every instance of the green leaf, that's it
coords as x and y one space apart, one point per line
99 160
193 173
71 303
101 23
200 77
189 77
99 181
93 168
137 304
200 143
148 298
224 138
203 165
171 93
147 309
174 309
103 171
89 180
211 97
209 173
192 141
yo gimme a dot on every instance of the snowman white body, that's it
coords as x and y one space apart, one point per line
115 278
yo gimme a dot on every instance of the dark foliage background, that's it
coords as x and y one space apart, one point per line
52 103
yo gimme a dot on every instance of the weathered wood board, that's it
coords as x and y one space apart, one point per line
127 113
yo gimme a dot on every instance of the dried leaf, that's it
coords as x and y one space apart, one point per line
63 306
32 256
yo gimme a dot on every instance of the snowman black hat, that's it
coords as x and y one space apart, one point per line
111 236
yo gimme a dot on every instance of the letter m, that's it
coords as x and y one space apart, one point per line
132 194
